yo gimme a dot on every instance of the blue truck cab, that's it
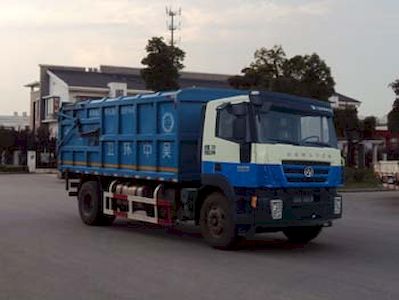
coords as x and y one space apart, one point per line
234 162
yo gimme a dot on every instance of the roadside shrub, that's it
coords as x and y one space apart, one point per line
362 176
13 169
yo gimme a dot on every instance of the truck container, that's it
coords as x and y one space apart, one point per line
234 162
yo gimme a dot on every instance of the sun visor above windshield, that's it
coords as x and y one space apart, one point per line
266 101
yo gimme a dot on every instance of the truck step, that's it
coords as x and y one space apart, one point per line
137 208
74 184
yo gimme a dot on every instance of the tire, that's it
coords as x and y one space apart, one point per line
302 235
216 222
90 205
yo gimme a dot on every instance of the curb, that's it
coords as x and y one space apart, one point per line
14 173
366 190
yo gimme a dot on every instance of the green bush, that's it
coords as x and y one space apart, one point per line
363 177
13 169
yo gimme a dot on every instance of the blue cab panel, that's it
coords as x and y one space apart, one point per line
151 136
271 176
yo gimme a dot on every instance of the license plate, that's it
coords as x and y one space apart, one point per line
303 198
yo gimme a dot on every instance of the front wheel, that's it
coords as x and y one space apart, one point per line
90 205
302 235
216 221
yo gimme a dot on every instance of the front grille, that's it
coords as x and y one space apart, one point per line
306 163
300 171
294 171
306 179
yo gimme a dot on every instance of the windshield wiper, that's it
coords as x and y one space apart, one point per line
319 144
284 141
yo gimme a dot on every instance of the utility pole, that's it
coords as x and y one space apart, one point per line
172 25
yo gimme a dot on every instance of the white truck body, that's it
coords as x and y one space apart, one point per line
387 171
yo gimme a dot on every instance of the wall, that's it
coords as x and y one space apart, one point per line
76 95
58 88
334 101
33 121
117 89
53 129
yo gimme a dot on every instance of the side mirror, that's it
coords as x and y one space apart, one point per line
255 98
239 129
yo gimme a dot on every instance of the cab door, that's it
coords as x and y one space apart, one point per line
226 149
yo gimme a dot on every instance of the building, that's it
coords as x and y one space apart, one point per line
60 84
16 122
390 149
339 101
382 123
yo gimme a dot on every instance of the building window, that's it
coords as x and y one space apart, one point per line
51 107
48 108
119 93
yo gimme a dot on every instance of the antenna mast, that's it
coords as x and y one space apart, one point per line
172 25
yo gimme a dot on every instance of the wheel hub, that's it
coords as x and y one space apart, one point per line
216 221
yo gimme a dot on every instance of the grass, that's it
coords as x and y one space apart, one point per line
360 179
362 185
13 169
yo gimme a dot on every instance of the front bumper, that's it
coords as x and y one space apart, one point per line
298 209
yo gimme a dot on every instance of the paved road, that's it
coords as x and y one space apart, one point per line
47 253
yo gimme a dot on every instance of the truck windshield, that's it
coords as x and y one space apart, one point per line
295 128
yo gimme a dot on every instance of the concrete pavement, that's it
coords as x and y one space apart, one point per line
47 253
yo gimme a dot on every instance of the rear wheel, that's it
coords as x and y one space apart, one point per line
302 235
90 205
216 221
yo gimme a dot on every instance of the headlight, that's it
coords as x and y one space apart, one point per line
338 205
276 208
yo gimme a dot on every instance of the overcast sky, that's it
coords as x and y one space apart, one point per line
358 39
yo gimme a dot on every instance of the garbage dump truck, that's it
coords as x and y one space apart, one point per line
234 162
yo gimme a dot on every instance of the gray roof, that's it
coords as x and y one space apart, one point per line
346 98
131 76
97 79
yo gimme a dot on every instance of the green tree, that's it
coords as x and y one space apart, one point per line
348 128
306 75
43 138
7 142
263 72
163 64
395 87
368 126
7 138
393 116
347 123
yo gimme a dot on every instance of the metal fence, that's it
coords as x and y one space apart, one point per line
46 160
